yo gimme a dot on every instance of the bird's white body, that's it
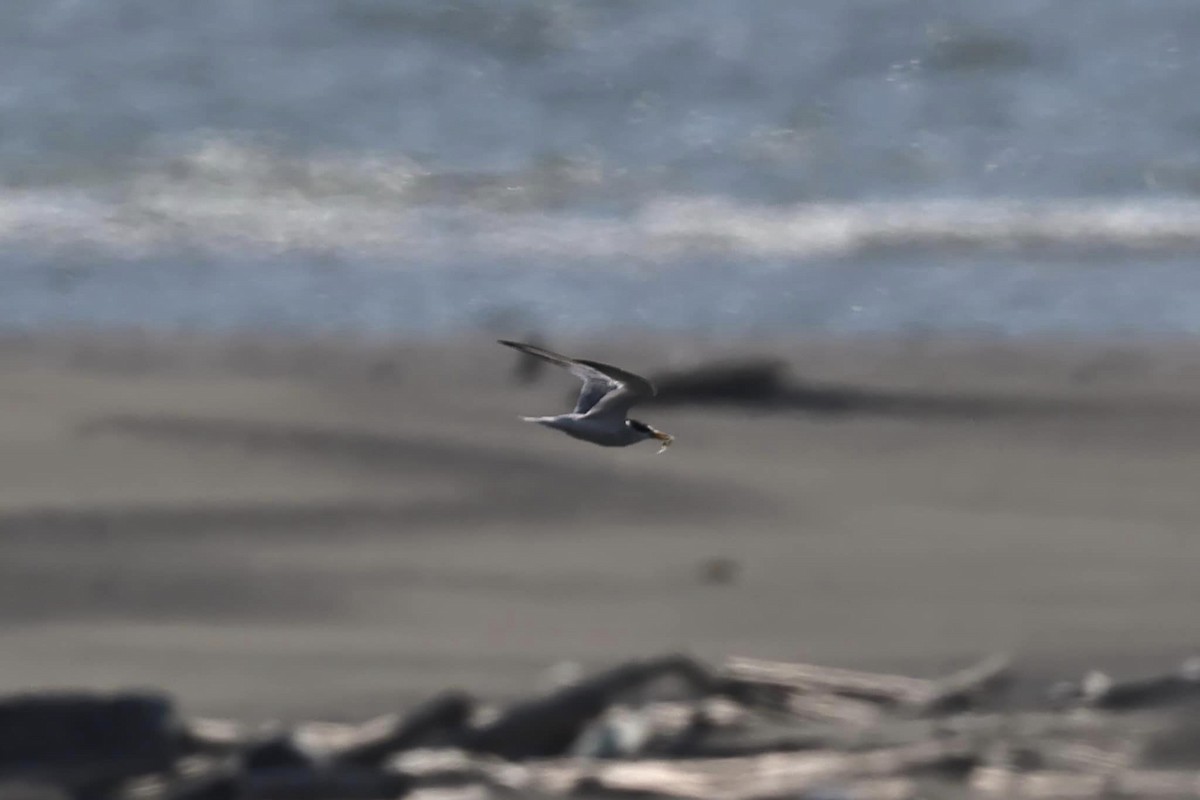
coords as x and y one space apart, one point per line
600 413
605 432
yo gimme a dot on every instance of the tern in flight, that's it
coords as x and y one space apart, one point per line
600 414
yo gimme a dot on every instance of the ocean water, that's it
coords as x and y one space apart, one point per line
431 166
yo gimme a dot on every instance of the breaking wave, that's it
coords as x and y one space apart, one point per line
223 198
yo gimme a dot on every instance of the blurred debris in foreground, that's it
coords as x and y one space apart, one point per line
669 727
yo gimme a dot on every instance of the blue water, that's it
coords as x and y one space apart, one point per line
841 166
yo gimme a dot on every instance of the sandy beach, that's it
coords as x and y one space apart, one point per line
328 529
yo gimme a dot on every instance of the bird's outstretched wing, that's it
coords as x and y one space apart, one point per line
617 388
630 388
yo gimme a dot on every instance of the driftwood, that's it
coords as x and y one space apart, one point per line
283 783
316 784
810 678
754 730
834 708
820 687
214 736
548 726
442 720
771 775
1098 690
1062 785
960 690
1085 757
86 743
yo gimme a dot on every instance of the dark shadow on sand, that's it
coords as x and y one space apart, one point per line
764 385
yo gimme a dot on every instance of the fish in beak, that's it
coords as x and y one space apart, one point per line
665 438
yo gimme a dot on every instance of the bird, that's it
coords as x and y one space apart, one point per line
601 413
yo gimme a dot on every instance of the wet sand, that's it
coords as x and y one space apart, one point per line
334 529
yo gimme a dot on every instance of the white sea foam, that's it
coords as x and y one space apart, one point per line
224 198
662 229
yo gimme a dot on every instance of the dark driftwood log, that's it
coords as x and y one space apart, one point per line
549 725
1152 692
86 742
959 690
440 720
325 784
214 785
664 729
281 783
280 752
